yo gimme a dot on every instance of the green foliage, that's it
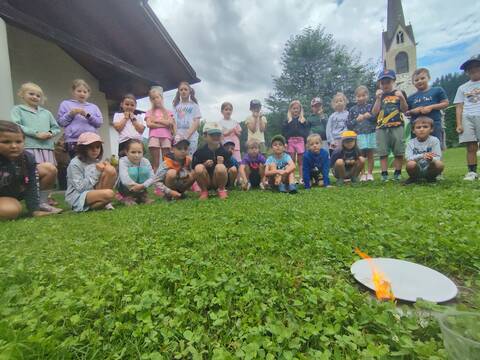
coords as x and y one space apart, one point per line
313 64
450 83
259 276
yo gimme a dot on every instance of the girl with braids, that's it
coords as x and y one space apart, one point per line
19 175
187 115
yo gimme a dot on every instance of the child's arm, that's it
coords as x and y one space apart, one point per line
378 102
138 124
271 169
15 115
64 117
238 130
193 128
436 151
440 106
306 168
54 128
152 123
325 168
329 130
119 121
263 123
351 120
409 155
95 118
290 167
83 180
403 102
459 117
251 124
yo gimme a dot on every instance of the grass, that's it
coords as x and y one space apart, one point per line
261 275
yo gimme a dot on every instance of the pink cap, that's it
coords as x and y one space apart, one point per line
88 138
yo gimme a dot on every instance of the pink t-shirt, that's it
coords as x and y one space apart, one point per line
162 132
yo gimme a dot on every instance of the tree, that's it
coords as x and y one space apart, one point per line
450 83
313 64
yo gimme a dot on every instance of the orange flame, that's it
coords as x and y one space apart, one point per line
383 289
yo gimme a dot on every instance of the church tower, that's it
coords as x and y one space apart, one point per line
399 48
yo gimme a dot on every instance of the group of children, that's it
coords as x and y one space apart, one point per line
343 144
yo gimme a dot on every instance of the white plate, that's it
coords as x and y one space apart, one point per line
409 281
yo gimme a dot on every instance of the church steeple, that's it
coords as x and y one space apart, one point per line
399 47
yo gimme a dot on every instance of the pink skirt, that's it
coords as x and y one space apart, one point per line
43 156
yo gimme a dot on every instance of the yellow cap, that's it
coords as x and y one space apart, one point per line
349 134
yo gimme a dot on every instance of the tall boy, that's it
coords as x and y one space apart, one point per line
423 153
389 104
427 101
467 102
211 162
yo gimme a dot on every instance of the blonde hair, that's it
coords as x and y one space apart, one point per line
176 100
253 143
31 86
159 90
360 89
313 137
419 71
339 95
301 117
80 82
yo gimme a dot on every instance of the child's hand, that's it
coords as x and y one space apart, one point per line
425 110
137 188
75 111
220 159
398 94
208 163
379 93
415 111
360 118
428 156
459 129
350 162
100 166
44 135
175 194
281 172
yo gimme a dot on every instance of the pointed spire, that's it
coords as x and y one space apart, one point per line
394 16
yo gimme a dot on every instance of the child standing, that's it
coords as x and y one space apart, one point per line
211 162
229 146
427 101
252 167
423 153
467 101
280 168
135 175
162 127
361 120
346 162
175 175
78 116
316 162
296 130
337 122
318 120
39 127
187 115
20 179
231 129
389 104
256 125
128 125
89 180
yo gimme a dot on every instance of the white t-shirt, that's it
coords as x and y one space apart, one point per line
185 113
129 131
469 95
228 124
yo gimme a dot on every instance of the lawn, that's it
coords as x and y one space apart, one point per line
260 275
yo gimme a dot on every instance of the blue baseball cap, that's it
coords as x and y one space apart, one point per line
387 74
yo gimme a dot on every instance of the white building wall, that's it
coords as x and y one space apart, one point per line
6 91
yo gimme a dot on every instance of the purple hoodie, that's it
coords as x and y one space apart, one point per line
77 125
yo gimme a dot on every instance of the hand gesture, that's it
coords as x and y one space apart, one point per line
428 156
398 94
360 118
459 129
100 166
43 135
208 163
379 93
220 159
137 188
75 112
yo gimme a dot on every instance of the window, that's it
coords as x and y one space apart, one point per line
400 38
401 62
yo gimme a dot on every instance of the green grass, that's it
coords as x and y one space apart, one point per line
262 275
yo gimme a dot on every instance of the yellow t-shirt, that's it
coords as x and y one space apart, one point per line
257 134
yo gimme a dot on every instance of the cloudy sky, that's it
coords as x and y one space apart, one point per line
235 45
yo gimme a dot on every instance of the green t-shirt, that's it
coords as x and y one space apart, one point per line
319 125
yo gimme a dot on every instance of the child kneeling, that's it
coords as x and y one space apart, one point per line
423 153
135 175
316 163
346 162
280 168
211 162
89 180
252 168
175 174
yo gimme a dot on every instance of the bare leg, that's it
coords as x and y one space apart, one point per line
220 177
384 163
300 164
472 148
108 178
359 166
232 176
10 208
370 161
398 162
340 169
412 169
155 153
47 174
97 199
165 151
244 171
436 167
202 177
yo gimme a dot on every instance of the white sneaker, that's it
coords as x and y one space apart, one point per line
363 177
49 208
471 176
370 177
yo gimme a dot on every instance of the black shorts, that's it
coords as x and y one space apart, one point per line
255 178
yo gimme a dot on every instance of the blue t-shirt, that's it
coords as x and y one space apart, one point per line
432 96
281 163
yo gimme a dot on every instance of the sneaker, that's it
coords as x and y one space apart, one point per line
196 188
51 201
397 177
282 188
159 192
109 206
354 179
431 180
49 208
340 182
370 177
203 195
471 176
262 186
144 199
363 178
409 181
222 194
385 178
292 188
